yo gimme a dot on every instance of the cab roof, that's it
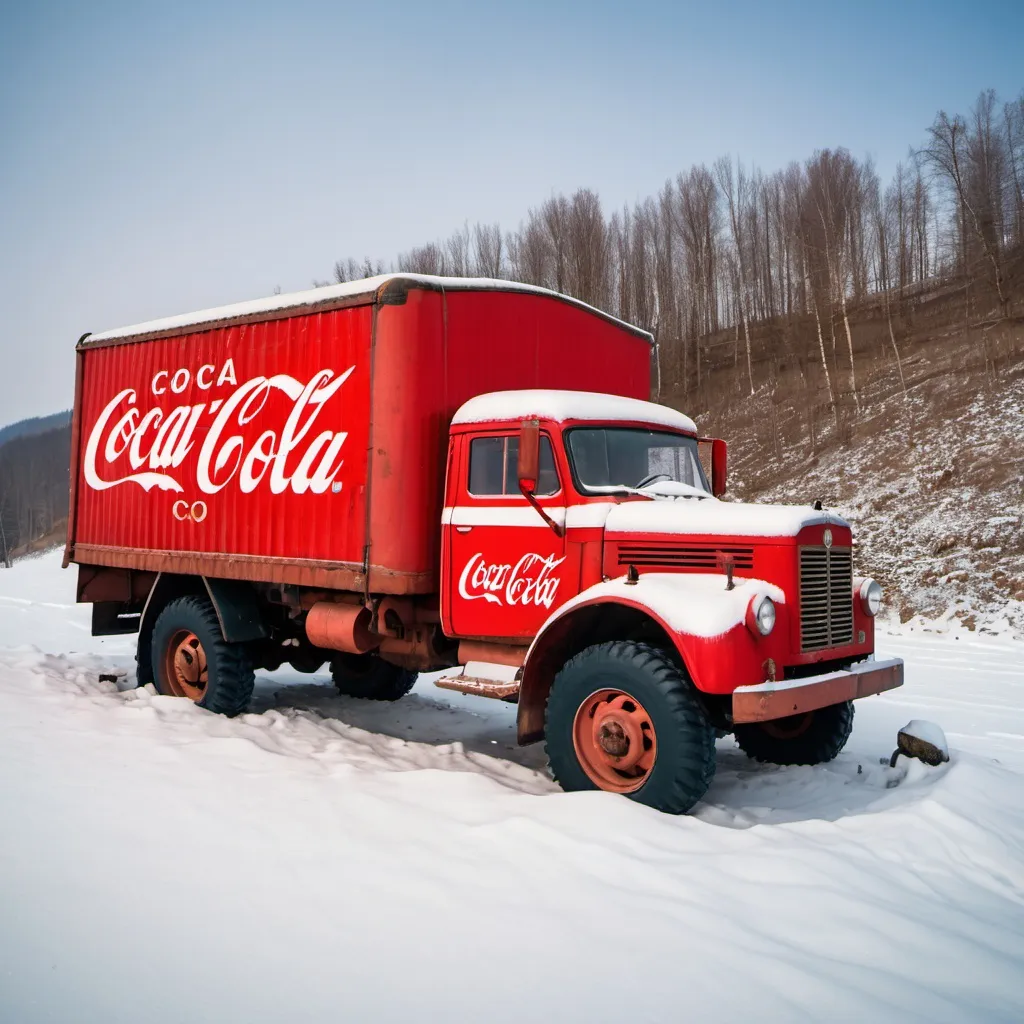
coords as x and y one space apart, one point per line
563 406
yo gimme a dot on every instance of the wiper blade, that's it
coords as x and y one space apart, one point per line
617 490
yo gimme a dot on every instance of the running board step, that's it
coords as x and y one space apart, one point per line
483 679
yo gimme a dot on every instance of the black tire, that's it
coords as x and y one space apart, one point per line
683 738
371 677
228 688
811 738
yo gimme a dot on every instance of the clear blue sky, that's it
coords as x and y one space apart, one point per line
161 157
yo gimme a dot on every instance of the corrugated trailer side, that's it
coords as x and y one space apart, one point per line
236 451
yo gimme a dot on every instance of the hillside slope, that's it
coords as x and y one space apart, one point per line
33 491
933 480
35 425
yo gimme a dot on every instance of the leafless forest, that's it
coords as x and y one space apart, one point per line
33 490
746 272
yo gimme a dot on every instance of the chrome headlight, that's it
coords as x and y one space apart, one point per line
870 594
761 615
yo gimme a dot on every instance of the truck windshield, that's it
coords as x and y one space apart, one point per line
609 459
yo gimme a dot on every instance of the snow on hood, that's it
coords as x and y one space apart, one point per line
693 603
720 518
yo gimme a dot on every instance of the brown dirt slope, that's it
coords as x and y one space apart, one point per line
932 477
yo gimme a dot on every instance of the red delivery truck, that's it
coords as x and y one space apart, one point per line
410 474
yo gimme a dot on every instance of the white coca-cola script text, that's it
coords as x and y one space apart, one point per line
528 582
128 445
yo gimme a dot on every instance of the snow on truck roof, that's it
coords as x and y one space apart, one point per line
315 300
568 405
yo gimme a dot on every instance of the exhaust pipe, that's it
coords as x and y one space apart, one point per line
341 627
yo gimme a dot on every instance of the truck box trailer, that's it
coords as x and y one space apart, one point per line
410 473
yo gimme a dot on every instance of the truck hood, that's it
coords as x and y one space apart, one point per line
710 517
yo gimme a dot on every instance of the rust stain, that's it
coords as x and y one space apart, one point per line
763 706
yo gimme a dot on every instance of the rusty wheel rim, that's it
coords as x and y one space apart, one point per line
185 667
615 741
789 728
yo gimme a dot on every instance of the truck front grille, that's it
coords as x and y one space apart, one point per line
678 556
826 598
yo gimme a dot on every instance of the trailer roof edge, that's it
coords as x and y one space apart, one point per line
385 289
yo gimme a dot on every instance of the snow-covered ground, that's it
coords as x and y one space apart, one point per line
322 859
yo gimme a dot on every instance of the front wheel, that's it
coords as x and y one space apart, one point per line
623 717
811 738
371 677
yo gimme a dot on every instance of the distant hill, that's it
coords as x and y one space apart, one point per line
35 425
34 486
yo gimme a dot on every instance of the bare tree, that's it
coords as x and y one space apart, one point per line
809 290
587 249
425 259
457 254
531 253
555 216
735 194
832 178
350 270
489 261
948 154
1013 115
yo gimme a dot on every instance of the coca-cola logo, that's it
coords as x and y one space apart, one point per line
528 582
128 445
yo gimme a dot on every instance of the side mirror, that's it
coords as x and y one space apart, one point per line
719 459
528 463
528 470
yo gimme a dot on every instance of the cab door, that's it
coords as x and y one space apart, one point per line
506 567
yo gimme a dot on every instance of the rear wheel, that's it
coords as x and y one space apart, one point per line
371 677
623 717
191 658
811 738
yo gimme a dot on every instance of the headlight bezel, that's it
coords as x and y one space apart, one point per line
869 593
762 615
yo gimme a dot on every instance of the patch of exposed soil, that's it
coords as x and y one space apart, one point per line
931 477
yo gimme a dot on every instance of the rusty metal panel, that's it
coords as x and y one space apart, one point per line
495 654
479 687
767 701
99 583
255 568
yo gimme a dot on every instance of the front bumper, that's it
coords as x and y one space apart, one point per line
765 701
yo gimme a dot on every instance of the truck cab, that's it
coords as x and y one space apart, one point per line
576 523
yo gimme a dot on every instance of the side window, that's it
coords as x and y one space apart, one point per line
486 465
492 467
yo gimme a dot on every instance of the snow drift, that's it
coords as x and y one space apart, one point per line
320 859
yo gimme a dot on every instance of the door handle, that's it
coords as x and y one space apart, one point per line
463 529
